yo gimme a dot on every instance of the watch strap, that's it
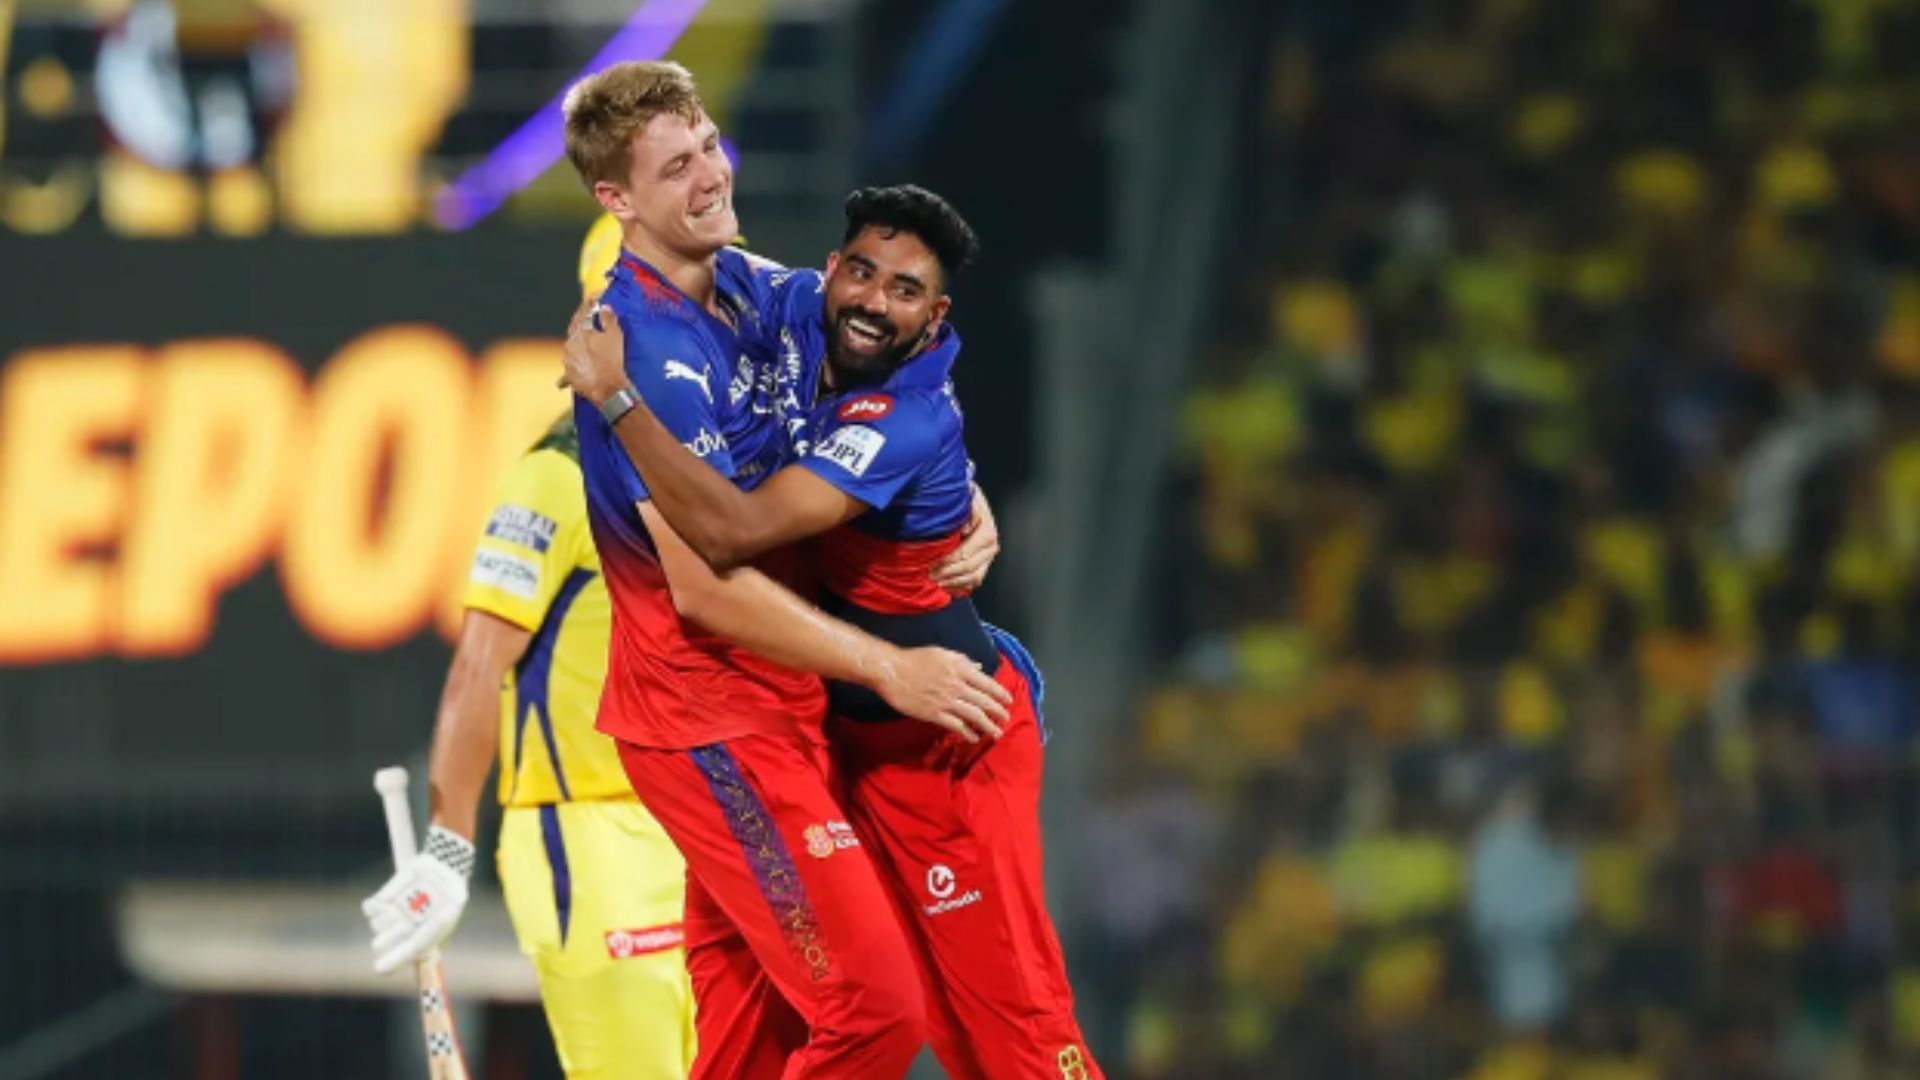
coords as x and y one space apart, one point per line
623 401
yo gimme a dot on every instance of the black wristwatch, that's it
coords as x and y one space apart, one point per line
624 400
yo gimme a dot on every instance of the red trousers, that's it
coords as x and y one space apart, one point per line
955 831
799 968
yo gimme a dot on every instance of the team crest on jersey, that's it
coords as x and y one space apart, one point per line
819 845
824 840
865 407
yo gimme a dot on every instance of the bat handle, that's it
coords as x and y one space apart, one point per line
391 783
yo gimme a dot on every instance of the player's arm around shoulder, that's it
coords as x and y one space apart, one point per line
848 472
877 443
674 437
792 505
762 616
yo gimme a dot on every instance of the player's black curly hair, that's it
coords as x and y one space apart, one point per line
914 209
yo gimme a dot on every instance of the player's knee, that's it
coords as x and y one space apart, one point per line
894 1013
906 1029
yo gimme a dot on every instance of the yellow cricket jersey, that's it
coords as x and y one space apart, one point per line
536 568
598 252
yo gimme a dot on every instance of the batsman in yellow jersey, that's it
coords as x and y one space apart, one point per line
593 885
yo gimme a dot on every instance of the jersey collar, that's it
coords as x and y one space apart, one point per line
657 288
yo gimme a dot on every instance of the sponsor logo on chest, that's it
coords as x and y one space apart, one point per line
866 407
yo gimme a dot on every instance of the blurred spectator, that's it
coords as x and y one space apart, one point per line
1559 512
1524 900
1149 842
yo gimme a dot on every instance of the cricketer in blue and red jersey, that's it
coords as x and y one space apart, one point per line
861 358
797 969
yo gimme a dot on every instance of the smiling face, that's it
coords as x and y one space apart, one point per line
639 138
679 191
883 299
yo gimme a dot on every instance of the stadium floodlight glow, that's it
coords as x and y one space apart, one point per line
536 144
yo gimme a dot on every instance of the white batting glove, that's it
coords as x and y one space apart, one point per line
420 904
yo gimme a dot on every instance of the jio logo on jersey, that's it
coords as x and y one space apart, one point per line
866 407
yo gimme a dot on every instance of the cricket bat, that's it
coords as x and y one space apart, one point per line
444 1059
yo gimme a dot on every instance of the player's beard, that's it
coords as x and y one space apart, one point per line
853 367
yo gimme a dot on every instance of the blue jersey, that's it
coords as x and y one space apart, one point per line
898 447
671 683
902 451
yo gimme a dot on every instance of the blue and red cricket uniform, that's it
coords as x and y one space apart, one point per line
795 969
957 827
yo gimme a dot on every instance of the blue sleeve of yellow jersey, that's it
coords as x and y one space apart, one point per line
671 367
875 445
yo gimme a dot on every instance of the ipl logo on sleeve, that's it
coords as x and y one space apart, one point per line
852 448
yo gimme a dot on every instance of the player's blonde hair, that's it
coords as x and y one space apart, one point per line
605 110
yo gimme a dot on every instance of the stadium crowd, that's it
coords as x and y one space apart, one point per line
1540 694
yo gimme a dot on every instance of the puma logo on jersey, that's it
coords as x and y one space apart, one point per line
674 369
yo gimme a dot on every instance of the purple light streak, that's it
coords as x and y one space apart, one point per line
537 144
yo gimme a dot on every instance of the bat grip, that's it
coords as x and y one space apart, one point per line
391 783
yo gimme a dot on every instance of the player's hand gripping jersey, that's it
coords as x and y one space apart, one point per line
669 682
